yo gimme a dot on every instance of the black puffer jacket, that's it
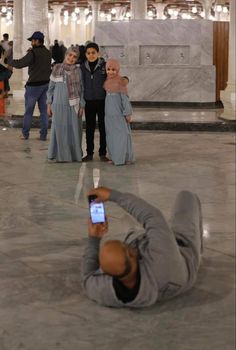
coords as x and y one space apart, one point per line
93 82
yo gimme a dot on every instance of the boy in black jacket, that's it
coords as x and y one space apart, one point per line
94 76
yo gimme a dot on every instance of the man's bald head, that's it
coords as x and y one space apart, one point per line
115 259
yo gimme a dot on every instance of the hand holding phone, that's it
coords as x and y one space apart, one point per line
97 210
97 230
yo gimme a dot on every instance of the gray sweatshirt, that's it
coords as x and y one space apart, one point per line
166 269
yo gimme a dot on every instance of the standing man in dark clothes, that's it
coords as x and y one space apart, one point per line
57 53
38 59
94 76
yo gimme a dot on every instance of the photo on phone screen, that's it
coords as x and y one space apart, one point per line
97 211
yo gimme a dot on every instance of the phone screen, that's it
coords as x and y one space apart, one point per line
97 212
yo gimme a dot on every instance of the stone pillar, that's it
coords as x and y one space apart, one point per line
73 37
17 77
159 9
207 4
139 9
228 96
119 10
35 18
82 27
56 23
96 5
18 26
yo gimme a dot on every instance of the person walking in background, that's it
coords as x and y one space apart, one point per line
8 56
5 75
63 48
118 113
82 56
57 53
5 42
38 59
94 76
66 104
5 52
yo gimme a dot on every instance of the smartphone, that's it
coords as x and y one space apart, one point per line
97 210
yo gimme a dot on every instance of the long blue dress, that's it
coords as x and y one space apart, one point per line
118 131
66 130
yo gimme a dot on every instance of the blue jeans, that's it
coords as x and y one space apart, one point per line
35 94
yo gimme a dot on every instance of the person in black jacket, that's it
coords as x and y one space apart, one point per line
38 59
94 76
57 53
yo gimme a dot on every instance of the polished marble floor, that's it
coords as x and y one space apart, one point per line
15 107
43 233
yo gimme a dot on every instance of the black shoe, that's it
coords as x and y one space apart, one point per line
88 158
42 138
23 137
104 159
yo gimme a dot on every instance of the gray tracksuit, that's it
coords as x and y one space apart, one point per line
166 268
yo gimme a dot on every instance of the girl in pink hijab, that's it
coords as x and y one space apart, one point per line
118 113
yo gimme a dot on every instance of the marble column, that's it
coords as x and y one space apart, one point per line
73 37
17 77
56 23
119 12
34 18
139 9
82 26
96 5
228 96
207 4
159 9
18 26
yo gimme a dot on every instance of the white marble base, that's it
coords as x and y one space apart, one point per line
228 98
171 84
18 94
166 61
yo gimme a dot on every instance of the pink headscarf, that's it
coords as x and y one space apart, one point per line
116 84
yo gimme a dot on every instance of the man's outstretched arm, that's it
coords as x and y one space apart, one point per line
90 261
147 215
22 62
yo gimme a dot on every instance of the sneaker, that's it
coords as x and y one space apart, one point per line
42 138
51 160
104 159
87 158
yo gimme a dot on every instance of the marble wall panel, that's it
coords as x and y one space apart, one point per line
160 84
133 55
179 67
155 32
195 55
207 83
196 34
168 32
173 55
118 52
206 43
112 33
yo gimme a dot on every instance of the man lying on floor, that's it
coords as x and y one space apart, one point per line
157 265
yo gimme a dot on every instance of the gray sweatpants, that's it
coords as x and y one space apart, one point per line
186 223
